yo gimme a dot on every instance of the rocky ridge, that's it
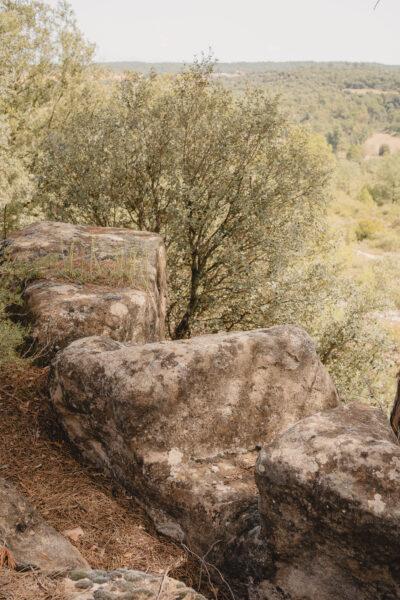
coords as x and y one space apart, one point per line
181 425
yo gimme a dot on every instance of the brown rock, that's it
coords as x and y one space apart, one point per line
33 543
63 312
330 507
179 423
93 280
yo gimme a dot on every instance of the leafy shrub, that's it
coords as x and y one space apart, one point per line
368 229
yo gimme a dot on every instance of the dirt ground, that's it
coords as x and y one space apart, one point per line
375 141
116 532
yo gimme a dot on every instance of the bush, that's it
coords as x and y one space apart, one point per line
227 182
368 229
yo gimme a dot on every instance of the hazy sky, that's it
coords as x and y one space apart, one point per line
250 30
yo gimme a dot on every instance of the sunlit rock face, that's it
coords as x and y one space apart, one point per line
63 312
179 423
90 281
330 507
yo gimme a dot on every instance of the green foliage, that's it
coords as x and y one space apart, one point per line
43 59
319 292
12 333
347 101
355 153
365 196
384 150
16 184
386 176
368 229
333 139
224 180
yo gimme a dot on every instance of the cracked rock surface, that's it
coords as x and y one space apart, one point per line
179 424
63 312
129 305
330 507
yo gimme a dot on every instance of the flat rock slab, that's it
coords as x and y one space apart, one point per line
63 312
179 423
33 543
125 584
86 260
330 507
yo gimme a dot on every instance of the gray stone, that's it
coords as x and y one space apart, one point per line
178 423
99 579
84 584
77 574
102 595
330 507
125 587
32 541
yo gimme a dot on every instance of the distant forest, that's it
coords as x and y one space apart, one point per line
345 102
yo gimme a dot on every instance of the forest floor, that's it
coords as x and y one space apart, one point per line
36 458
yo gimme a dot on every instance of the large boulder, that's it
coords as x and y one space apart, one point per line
63 312
330 508
125 584
180 423
32 542
92 281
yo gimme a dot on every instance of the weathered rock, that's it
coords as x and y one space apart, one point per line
33 543
125 584
179 423
330 507
63 312
94 280
395 412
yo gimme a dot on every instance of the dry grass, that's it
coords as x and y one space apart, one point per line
80 266
117 533
34 456
28 586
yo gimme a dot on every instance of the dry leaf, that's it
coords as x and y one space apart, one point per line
74 534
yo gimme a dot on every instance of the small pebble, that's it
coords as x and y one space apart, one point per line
84 584
99 579
97 573
138 593
78 574
134 576
123 586
103 595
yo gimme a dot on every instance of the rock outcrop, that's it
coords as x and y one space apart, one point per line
64 312
125 584
93 281
330 508
179 423
33 543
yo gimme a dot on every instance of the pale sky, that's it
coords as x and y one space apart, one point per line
247 30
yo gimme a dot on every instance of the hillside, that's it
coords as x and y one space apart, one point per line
199 324
344 101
